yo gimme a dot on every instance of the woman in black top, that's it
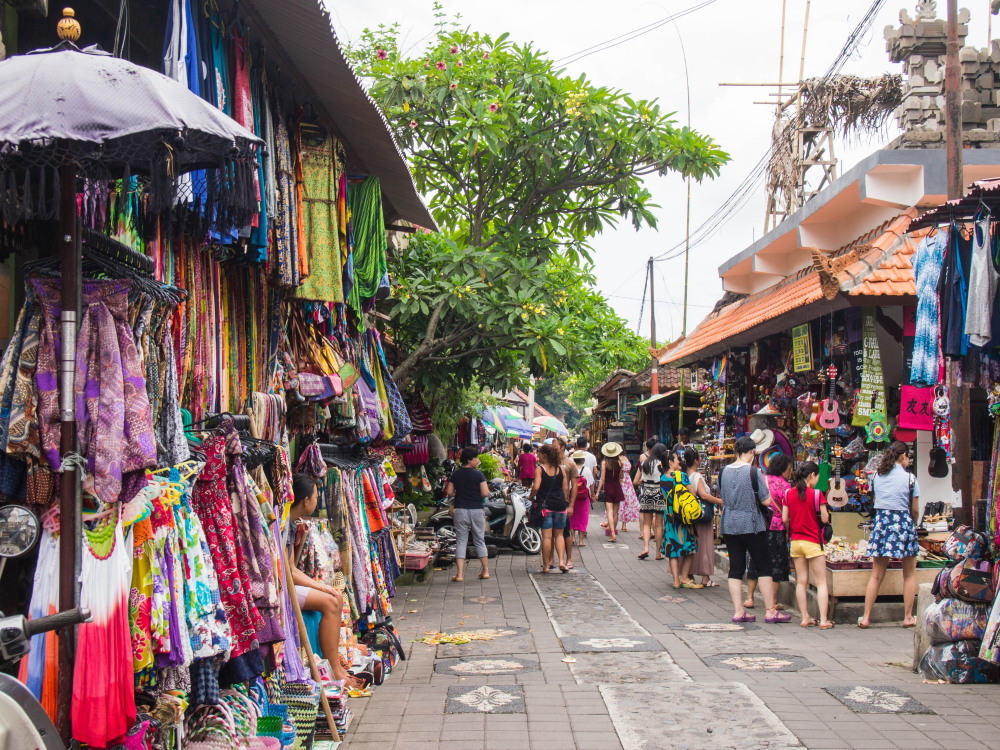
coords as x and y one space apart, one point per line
551 488
468 487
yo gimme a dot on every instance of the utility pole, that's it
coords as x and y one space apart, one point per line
960 407
654 378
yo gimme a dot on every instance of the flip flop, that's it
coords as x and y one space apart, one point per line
643 556
825 625
910 624
484 576
691 585
544 570
711 585
748 606
456 579
810 623
563 569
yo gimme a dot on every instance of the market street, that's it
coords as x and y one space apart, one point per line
654 668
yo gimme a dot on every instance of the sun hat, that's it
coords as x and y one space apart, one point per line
611 450
579 456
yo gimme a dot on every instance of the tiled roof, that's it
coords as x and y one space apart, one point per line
749 312
883 267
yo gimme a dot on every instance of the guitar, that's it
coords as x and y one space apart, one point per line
836 496
829 417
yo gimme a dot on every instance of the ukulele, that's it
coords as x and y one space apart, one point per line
836 496
829 416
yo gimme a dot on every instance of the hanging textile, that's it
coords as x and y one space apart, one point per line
322 166
983 280
954 289
871 397
368 231
927 368
103 705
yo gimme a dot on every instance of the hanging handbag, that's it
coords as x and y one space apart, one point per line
968 580
966 544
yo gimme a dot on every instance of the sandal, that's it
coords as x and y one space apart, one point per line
545 570
711 585
748 604
484 576
745 618
778 617
456 579
563 569
910 624
691 585
810 623
643 556
825 625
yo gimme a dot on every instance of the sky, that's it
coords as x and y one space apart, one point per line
730 41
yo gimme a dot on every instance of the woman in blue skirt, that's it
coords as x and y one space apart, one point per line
894 534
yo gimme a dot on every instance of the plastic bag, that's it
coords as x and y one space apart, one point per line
959 664
951 620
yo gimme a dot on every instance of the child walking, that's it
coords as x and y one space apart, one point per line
804 508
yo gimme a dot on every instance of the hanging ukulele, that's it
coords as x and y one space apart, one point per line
829 413
836 496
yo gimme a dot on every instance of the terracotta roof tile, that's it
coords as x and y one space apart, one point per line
885 268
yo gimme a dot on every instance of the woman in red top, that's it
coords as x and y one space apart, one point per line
804 506
526 465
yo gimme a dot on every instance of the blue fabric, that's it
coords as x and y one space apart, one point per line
927 263
311 620
892 490
893 535
954 290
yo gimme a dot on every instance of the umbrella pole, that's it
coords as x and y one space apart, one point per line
69 511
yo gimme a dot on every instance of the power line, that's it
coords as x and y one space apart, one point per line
628 36
739 197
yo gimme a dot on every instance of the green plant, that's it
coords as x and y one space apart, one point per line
490 466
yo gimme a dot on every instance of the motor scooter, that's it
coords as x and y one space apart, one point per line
23 721
506 519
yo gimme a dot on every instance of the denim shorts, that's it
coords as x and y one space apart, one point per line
553 520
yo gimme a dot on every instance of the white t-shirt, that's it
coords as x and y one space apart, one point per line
589 467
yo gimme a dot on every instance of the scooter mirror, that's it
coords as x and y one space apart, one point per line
19 531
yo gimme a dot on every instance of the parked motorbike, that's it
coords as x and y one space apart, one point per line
506 519
23 721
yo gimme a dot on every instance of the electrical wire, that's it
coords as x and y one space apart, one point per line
746 189
629 36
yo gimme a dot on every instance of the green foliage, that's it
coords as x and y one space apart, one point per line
523 166
490 466
510 149
420 499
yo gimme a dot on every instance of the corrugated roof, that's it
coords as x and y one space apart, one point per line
883 268
304 31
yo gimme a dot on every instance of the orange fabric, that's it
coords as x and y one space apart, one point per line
373 505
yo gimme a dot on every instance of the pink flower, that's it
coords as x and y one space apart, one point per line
486 55
441 65
454 50
381 54
453 86
460 64
413 123
494 107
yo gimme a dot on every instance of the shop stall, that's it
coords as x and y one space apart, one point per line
225 339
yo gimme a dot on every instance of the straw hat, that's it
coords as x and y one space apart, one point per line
611 450
579 456
763 438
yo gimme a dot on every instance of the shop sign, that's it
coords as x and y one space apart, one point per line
802 354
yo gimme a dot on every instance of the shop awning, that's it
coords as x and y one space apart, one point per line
876 271
302 35
516 427
656 399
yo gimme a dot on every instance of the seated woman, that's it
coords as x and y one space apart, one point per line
313 595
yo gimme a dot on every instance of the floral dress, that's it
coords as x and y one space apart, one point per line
629 510
679 539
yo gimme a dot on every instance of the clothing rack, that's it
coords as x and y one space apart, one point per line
117 251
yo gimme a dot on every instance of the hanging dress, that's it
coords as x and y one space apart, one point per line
103 704
927 264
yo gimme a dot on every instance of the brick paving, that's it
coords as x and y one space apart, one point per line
607 698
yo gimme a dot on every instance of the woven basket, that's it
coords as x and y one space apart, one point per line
303 707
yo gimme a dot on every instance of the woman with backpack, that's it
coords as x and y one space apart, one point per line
679 541
612 475
746 516
803 512
651 502
551 488
894 533
704 558
779 472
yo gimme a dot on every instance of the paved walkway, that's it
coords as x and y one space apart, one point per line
610 656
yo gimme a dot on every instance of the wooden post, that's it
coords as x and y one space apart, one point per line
304 638
69 511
